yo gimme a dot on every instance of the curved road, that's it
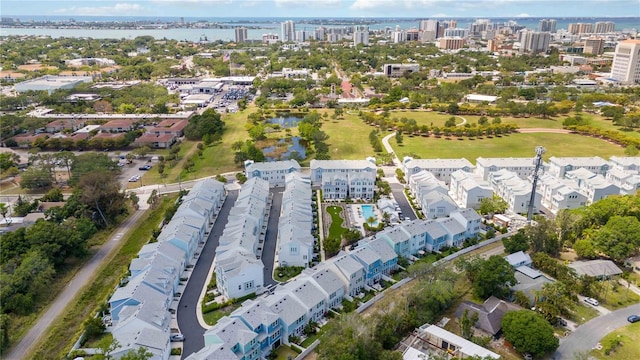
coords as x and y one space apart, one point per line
587 335
187 307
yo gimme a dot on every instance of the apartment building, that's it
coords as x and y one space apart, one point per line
523 167
440 168
468 189
295 240
341 179
626 62
559 166
397 70
273 172
515 191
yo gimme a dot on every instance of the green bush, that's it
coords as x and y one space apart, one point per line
176 351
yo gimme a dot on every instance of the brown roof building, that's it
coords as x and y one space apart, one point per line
170 126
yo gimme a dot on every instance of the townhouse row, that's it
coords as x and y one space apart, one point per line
265 323
238 268
565 183
296 226
140 310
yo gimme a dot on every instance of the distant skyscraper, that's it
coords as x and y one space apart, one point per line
241 34
604 27
361 35
534 42
580 28
594 45
431 25
547 25
626 62
301 36
288 30
319 33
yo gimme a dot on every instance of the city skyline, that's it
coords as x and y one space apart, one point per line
324 8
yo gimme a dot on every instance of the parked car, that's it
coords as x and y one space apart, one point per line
592 301
177 337
633 318
145 167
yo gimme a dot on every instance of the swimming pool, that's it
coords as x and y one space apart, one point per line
367 211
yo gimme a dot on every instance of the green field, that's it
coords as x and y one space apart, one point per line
628 338
513 145
438 119
335 229
348 138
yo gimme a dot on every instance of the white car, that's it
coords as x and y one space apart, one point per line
177 337
591 301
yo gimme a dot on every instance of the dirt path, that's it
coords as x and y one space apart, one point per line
544 130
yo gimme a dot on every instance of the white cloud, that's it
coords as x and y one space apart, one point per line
523 15
179 2
439 15
306 3
116 9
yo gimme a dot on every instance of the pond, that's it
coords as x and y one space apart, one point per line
284 148
285 120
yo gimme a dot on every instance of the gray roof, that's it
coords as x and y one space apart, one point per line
347 265
596 268
518 258
214 352
434 229
327 280
273 165
452 226
490 313
469 214
365 255
232 331
255 313
341 164
382 248
395 234
287 307
306 291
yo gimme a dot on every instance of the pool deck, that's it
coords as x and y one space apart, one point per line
356 218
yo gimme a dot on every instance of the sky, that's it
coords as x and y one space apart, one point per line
323 8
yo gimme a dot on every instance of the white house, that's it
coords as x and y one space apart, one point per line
295 240
342 179
627 180
352 271
467 190
524 167
515 191
274 172
440 168
559 166
625 162
518 259
470 219
559 194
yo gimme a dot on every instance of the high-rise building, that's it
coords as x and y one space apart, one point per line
319 33
492 45
288 31
580 28
241 34
301 36
269 38
453 32
604 27
534 42
431 25
361 35
451 43
626 62
546 25
594 45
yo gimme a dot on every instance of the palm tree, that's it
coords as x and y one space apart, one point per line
386 217
371 220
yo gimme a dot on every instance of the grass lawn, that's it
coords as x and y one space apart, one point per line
211 318
348 138
284 352
583 313
628 338
284 273
616 296
513 145
438 119
66 329
335 230
606 124
187 149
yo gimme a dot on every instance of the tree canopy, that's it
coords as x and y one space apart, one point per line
529 333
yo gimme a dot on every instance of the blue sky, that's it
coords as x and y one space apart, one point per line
324 8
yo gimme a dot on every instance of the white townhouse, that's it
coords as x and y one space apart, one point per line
144 325
238 268
440 168
388 257
262 321
594 186
236 335
310 295
437 236
627 180
470 219
467 190
625 163
515 191
431 195
295 242
330 283
293 315
341 179
523 167
352 272
559 194
274 172
559 166
455 231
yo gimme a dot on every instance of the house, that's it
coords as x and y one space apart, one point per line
155 141
625 163
388 257
274 172
453 344
467 189
295 242
455 231
627 180
559 194
352 271
371 262
530 282
601 269
436 236
490 313
262 321
523 167
64 124
470 219
239 274
559 166
118 126
310 295
293 315
440 168
329 282
518 259
235 334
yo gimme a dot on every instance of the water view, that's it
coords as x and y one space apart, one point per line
285 148
285 122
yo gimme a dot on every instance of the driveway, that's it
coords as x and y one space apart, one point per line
398 194
587 336
186 314
271 237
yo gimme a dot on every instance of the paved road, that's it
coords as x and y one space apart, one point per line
398 193
588 334
187 318
271 238
73 288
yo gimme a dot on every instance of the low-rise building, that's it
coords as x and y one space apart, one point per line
440 168
274 172
155 141
467 189
397 70
515 191
523 167
295 240
341 179
559 166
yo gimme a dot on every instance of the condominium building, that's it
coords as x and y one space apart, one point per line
559 166
448 43
241 34
431 195
516 192
580 28
288 31
523 167
626 62
594 45
534 42
604 27
341 179
455 32
295 240
559 194
397 70
274 172
547 25
361 35
468 189
440 168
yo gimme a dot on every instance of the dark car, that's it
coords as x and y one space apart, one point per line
633 318
145 167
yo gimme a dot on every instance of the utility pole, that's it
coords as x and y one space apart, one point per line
536 173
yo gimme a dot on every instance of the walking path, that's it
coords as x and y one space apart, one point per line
464 121
81 279
544 130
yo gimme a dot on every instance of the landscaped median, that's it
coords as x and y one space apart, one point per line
66 330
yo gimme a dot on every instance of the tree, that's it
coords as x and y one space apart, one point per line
619 238
529 333
4 209
492 205
554 300
36 177
94 327
516 242
53 195
543 237
100 192
154 199
467 322
493 277
585 248
399 137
